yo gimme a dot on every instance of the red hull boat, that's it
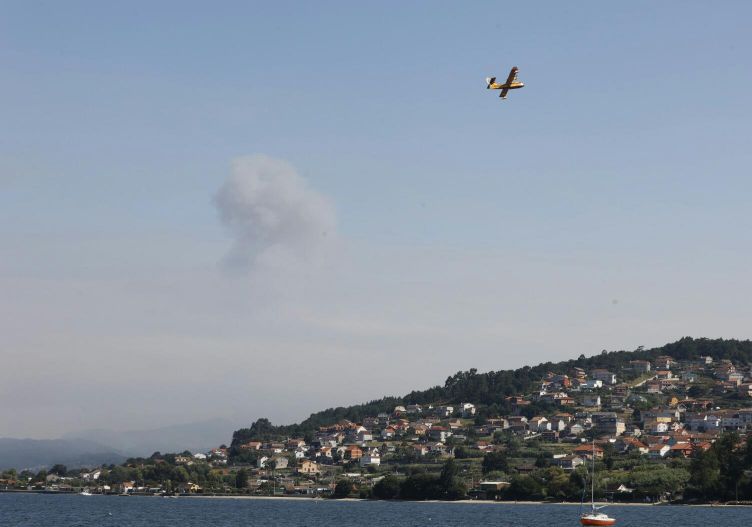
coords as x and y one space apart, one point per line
594 517
597 518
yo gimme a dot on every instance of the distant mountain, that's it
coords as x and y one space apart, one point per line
35 454
196 437
96 447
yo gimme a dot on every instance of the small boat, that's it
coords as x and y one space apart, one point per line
594 517
85 492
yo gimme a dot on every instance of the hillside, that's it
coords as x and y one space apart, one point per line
493 387
673 423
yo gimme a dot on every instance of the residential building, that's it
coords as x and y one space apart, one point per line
439 433
640 366
702 422
608 423
591 384
658 450
604 375
590 400
352 452
570 462
371 458
309 467
468 409
539 424
586 451
444 411
274 462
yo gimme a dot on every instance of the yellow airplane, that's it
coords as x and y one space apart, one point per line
511 84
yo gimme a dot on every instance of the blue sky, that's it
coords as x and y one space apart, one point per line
470 232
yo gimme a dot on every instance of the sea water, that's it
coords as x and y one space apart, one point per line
37 510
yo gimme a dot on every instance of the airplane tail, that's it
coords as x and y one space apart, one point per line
489 81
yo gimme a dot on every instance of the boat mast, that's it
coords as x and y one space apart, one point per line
592 480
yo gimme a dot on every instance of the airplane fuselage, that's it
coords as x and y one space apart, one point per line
505 86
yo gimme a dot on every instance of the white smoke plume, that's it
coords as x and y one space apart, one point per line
269 208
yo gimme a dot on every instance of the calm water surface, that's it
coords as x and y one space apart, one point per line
30 510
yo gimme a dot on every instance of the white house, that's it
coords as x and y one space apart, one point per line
576 429
658 451
604 375
91 476
745 416
365 436
732 422
591 400
591 384
703 422
370 458
439 433
387 433
539 424
640 366
559 425
656 427
567 462
468 409
445 411
276 462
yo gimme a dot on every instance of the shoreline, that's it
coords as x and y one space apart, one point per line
466 502
322 499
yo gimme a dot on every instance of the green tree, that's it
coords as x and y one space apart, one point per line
421 487
181 475
698 390
719 472
60 470
462 452
524 487
495 461
559 484
118 475
342 489
241 479
243 455
387 488
451 485
656 481
730 459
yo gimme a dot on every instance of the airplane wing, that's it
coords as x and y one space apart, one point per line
512 75
503 93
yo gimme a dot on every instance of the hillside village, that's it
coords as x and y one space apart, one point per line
648 426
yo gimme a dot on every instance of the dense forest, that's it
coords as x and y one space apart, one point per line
492 388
